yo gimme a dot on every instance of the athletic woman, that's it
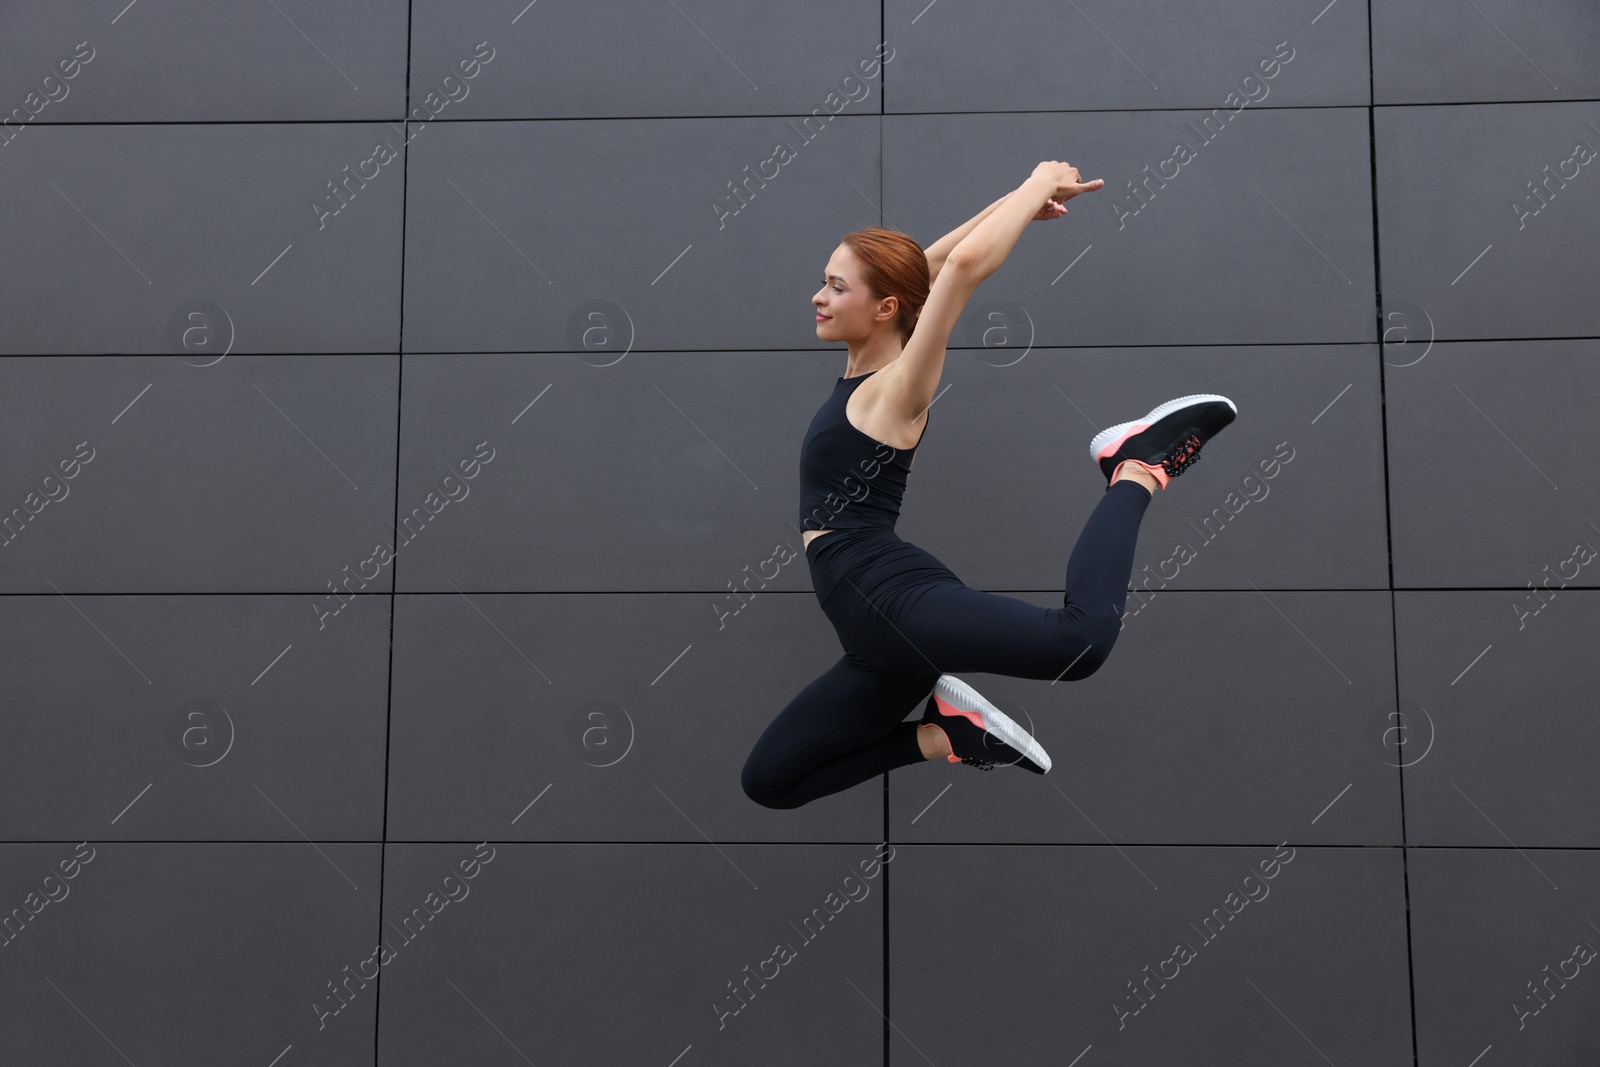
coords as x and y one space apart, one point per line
905 622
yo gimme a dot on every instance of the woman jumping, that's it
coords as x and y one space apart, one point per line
904 620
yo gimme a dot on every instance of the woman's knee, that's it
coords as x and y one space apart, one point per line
1092 646
1083 663
759 786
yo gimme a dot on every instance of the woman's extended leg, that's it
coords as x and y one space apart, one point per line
962 629
842 729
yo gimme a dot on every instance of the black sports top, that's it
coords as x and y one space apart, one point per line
847 479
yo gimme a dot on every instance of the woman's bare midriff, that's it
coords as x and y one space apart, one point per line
878 432
811 535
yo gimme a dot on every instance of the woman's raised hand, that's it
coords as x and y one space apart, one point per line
1068 184
1053 209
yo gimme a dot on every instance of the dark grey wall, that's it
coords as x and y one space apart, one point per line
536 347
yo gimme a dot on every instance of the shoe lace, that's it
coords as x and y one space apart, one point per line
1186 455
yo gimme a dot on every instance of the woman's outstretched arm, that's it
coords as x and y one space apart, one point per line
940 250
983 250
910 383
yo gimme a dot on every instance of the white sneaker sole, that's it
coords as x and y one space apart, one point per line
1114 435
964 698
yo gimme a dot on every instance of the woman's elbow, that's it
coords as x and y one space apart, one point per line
958 264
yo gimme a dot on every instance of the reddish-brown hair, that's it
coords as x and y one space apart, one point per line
892 265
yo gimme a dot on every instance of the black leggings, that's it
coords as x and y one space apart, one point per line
903 619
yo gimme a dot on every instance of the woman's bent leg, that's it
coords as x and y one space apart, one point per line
842 729
963 629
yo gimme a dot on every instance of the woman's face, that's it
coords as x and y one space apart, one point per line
845 308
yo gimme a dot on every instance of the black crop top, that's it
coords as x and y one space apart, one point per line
847 479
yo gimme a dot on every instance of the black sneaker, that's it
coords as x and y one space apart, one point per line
1165 442
981 734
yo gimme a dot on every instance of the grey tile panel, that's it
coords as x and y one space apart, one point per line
1503 944
163 952
686 468
1231 225
1183 738
1485 488
183 718
1487 216
636 60
200 473
1493 681
737 954
1138 955
193 61
400 411
518 234
284 237
624 717
1433 51
1142 55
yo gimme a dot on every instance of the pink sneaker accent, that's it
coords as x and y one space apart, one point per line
953 697
1160 473
950 709
1111 447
